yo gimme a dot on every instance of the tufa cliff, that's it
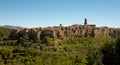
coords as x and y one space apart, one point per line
63 33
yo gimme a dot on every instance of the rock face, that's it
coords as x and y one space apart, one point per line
63 33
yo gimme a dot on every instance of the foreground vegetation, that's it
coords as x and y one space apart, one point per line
77 51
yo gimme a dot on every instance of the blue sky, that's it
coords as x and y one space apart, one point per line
43 13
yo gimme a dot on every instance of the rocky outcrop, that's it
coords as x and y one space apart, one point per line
14 34
63 33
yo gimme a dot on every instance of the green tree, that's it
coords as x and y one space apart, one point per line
7 53
109 53
48 41
23 38
4 33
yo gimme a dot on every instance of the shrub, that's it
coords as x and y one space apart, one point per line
48 41
7 53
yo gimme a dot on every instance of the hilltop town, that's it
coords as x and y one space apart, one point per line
77 44
63 33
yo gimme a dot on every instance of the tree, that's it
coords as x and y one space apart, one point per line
23 38
4 33
48 40
109 53
7 53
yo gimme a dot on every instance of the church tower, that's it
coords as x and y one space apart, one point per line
85 22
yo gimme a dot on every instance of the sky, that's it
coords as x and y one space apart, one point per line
44 13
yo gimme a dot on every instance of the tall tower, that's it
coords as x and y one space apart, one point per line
85 22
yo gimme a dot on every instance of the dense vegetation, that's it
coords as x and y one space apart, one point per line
77 51
4 33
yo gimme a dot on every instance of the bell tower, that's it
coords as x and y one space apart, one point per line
85 21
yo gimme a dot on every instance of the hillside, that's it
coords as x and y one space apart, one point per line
11 27
73 45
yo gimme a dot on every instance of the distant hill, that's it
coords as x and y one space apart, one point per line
11 27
